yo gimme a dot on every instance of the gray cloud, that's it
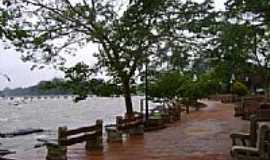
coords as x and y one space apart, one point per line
22 76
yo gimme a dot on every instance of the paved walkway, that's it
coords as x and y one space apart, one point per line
201 135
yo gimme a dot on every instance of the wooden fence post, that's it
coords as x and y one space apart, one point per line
99 124
119 120
95 142
62 134
58 151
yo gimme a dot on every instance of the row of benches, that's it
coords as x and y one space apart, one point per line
158 118
253 105
224 98
246 106
254 145
161 115
91 135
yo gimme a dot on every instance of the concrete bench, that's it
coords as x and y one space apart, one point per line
129 126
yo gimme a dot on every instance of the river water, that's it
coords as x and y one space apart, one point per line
49 114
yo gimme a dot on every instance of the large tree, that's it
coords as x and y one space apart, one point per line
127 38
52 27
251 20
242 39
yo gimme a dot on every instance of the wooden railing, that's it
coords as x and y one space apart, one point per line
92 135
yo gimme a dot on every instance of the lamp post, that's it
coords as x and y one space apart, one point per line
232 80
146 91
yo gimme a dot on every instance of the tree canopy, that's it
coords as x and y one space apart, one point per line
127 38
242 42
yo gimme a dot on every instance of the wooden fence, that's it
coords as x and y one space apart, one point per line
92 135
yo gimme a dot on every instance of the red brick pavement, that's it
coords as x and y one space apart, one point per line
201 135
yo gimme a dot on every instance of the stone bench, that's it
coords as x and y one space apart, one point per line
129 126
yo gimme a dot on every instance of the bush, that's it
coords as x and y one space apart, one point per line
167 85
239 89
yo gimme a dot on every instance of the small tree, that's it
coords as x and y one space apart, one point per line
168 85
239 89
193 90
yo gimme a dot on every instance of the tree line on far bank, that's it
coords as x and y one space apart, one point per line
58 86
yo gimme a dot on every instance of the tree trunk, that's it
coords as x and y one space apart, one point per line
267 83
187 108
127 96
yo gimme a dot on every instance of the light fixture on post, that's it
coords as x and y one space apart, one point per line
232 78
231 81
195 78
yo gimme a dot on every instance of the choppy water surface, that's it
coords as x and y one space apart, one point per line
49 114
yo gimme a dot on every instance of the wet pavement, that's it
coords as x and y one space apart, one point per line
201 135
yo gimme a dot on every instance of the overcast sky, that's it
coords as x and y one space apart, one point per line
22 76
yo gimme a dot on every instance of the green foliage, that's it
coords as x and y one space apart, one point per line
204 86
239 89
54 87
168 85
104 89
94 86
175 85
241 45
77 80
3 19
79 83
